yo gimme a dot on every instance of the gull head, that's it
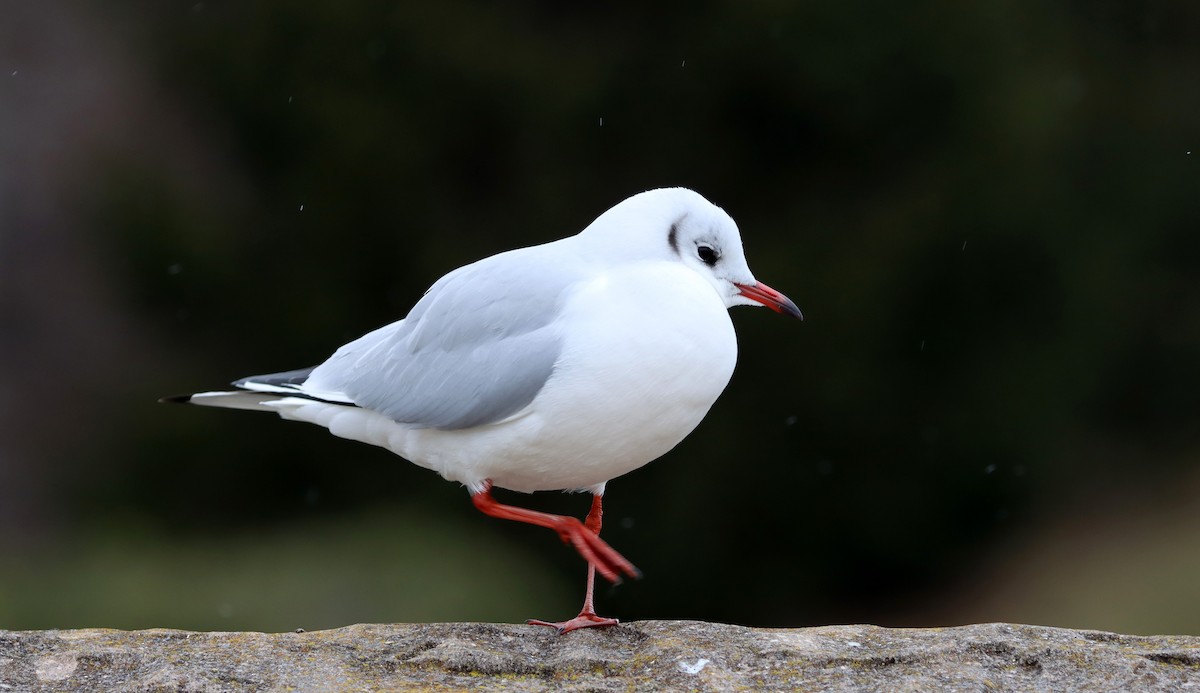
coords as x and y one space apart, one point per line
679 224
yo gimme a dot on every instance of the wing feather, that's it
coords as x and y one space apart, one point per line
476 349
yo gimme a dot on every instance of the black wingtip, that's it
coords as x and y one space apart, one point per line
176 399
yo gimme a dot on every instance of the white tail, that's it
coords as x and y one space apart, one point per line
242 399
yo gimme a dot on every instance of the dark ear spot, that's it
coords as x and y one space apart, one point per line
673 234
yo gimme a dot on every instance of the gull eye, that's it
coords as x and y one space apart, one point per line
707 254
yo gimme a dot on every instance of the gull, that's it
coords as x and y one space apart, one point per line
553 367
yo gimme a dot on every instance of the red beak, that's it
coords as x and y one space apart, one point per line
770 298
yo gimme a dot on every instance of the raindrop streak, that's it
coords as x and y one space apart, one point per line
14 74
922 345
964 248
301 208
684 64
601 121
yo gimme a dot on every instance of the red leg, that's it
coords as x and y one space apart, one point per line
598 554
587 617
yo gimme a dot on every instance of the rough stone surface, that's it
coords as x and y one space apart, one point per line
641 656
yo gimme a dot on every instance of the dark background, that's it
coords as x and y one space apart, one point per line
988 211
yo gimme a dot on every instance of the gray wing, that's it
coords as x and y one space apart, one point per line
477 348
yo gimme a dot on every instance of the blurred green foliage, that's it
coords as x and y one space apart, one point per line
988 212
365 567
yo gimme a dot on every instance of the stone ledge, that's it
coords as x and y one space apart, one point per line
645 655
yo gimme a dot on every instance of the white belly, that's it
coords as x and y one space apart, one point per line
646 354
